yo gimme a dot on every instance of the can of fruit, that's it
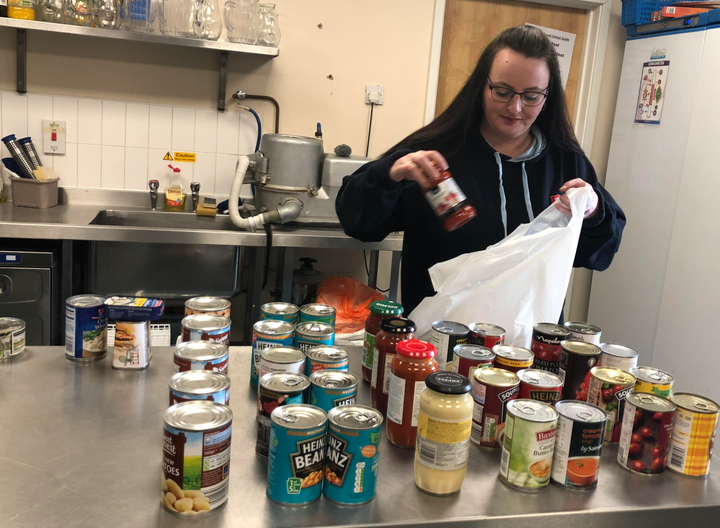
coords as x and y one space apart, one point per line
280 311
576 360
196 456
326 358
467 358
85 328
693 437
297 454
199 385
578 445
333 388
608 389
529 444
645 435
492 389
201 355
445 336
540 385
513 358
618 356
487 335
281 359
131 345
206 328
311 335
546 339
353 454
584 332
12 337
277 389
268 334
317 313
208 306
652 380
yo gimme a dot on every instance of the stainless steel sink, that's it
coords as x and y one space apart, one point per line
162 220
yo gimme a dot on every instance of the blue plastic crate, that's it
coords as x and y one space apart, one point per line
640 11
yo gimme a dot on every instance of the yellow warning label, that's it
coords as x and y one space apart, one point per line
188 157
168 157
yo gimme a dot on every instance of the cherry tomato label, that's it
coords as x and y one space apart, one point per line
610 398
645 439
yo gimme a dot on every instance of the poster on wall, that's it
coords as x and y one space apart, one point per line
653 84
564 43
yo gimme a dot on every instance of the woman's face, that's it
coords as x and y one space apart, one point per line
512 120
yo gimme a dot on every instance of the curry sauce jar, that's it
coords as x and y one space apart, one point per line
513 358
311 335
317 313
276 390
654 381
297 454
280 311
199 385
468 358
492 389
201 355
268 334
540 385
85 328
584 332
12 337
208 306
333 388
326 358
282 359
487 335
353 454
206 328
608 389
693 436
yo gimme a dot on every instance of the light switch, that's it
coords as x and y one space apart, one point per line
54 134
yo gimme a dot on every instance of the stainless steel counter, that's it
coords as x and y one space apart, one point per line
81 446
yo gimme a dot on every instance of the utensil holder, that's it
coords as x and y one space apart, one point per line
40 194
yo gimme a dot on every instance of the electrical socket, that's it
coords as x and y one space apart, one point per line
374 94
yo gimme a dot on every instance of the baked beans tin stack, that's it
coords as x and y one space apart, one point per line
487 335
492 389
208 306
201 355
280 311
584 332
546 339
576 360
618 356
445 336
608 389
654 381
467 358
693 438
513 358
276 390
540 385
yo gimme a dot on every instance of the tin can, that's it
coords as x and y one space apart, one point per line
206 328
85 328
652 380
487 335
584 332
281 359
196 456
492 389
208 306
540 385
268 334
199 385
311 335
132 350
645 435
467 358
608 389
333 388
12 337
576 360
578 445
529 445
546 339
618 356
201 355
513 358
353 454
297 454
277 389
317 313
280 311
693 437
445 336
326 358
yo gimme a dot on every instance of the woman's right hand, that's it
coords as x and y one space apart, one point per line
419 166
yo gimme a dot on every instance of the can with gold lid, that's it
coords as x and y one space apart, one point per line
608 389
513 358
693 437
652 380
492 389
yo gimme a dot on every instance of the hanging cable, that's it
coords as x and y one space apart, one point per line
367 146
367 270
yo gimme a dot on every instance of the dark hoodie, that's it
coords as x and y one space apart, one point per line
505 192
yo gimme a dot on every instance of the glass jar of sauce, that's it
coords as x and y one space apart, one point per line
415 361
379 310
392 331
443 434
448 201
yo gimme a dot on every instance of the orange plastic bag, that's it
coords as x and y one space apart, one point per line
351 299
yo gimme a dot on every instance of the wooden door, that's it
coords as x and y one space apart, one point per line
470 25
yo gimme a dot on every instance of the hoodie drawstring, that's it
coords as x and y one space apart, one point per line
531 216
503 200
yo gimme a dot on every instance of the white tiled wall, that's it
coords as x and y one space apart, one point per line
119 145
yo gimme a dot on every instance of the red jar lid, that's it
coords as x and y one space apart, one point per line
415 348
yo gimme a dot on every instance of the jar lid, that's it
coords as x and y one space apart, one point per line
448 383
415 348
386 308
397 326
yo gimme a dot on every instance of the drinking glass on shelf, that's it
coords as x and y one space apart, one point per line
50 11
268 32
78 12
206 22
177 17
106 14
240 17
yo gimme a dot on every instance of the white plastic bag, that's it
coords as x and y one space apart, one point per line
515 283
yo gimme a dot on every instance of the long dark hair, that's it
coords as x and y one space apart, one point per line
464 115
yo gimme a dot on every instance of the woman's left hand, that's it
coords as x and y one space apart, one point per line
562 204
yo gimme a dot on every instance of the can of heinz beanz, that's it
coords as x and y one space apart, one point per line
268 334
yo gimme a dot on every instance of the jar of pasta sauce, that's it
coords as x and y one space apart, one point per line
379 310
415 361
392 331
448 201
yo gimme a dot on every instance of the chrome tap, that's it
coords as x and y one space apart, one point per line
195 188
153 184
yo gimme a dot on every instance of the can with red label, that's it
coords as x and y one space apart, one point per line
546 339
576 360
618 356
540 385
608 389
467 358
584 332
487 335
492 389
512 358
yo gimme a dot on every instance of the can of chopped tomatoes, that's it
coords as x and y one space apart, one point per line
540 385
608 389
546 339
492 389
275 390
576 360
487 335
693 438
512 358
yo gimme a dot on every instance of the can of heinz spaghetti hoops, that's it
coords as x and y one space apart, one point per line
608 389
85 328
652 380
513 358
584 332
280 311
467 358
618 356
445 336
576 360
277 389
333 388
326 358
693 437
201 355
206 328
487 335
492 389
540 385
546 339
268 334
281 359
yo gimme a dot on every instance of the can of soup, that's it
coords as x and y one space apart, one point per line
655 381
578 445
199 385
326 357
608 389
645 435
196 456
277 389
208 306
317 313
445 336
333 388
280 311
268 334
492 389
201 355
487 335
540 385
546 339
529 444
311 335
693 436
281 359
297 454
12 337
618 356
584 332
132 349
85 328
467 358
513 358
353 454
206 328
576 360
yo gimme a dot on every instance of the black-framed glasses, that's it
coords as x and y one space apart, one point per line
505 95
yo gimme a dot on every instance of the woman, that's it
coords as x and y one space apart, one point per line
509 144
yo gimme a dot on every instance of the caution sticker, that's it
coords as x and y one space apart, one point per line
187 157
168 157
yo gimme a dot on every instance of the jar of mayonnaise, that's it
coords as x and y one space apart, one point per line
443 433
